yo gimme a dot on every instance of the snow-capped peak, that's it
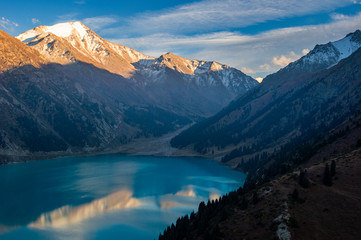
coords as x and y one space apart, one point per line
85 46
61 30
69 28
349 44
324 56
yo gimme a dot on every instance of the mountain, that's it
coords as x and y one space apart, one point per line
286 109
65 90
301 152
321 57
70 42
202 86
19 56
49 109
189 87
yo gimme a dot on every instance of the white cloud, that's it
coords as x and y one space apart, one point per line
7 24
238 50
265 67
35 20
97 23
338 16
247 70
284 60
259 79
213 15
305 51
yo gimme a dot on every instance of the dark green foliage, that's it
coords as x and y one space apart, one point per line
295 194
303 179
199 223
327 178
36 140
244 203
154 121
293 222
333 168
358 144
255 198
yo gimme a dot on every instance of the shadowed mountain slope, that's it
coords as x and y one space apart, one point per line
288 107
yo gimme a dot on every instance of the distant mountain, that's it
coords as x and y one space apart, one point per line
299 102
190 87
201 86
321 57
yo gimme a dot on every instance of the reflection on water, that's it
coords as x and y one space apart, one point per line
80 197
66 215
214 196
188 193
167 204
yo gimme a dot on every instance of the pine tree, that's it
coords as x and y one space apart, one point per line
327 178
244 203
255 198
303 180
333 168
295 194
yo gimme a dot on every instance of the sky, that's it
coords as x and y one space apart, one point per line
256 36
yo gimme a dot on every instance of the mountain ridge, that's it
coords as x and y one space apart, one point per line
93 49
270 115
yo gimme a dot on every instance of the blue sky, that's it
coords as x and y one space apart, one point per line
256 36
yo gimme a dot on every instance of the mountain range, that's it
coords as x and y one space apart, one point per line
168 80
65 89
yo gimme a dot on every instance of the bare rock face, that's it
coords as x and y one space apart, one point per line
14 53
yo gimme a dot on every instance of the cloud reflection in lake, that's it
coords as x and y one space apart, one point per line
66 215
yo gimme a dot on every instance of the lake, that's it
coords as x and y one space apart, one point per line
106 197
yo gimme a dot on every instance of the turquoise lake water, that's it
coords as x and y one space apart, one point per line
106 197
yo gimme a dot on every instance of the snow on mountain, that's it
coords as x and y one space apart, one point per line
70 42
86 46
327 55
348 45
200 73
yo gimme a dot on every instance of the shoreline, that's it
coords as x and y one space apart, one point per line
154 146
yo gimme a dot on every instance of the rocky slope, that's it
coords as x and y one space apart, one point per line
286 109
15 54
